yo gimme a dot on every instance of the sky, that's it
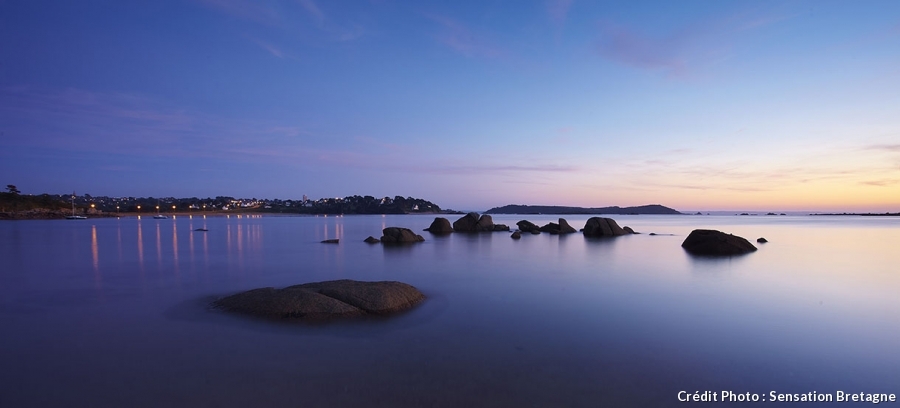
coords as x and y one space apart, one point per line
696 105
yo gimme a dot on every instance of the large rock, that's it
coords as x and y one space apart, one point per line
565 228
550 227
602 227
562 227
397 235
527 226
712 242
466 223
324 300
440 225
471 222
485 223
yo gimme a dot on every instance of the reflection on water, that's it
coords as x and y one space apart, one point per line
541 321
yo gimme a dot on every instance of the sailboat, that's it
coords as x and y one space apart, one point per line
73 216
159 216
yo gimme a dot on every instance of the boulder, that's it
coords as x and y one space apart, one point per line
324 300
331 241
501 227
712 242
565 228
628 230
397 235
551 227
562 227
471 222
440 225
516 235
602 227
527 226
762 240
466 223
485 223
371 240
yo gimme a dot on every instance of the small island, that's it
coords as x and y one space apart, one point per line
652 209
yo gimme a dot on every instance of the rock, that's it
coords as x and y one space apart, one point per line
485 223
466 223
372 297
440 225
536 232
565 228
471 222
331 241
762 240
324 300
562 227
527 226
516 235
628 230
602 227
501 227
371 240
551 227
397 235
201 229
712 242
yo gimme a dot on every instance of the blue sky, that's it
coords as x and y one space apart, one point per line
695 105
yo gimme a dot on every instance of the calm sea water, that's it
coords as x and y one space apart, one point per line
113 313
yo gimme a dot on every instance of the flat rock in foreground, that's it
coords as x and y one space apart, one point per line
713 242
324 300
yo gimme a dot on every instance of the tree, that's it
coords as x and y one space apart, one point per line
12 189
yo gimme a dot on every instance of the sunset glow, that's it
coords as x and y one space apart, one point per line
765 106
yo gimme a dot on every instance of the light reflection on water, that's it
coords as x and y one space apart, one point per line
544 320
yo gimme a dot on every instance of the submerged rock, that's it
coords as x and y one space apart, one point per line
324 300
516 235
602 227
331 241
501 227
628 230
397 235
713 242
762 240
440 225
371 240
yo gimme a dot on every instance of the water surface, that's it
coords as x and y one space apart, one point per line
113 312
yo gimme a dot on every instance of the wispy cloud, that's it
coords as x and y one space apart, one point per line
460 38
626 46
313 9
884 147
679 52
275 51
881 182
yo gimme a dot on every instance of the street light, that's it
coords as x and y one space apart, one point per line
139 209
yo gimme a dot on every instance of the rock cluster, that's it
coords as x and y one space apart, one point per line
324 300
472 222
713 242
562 227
